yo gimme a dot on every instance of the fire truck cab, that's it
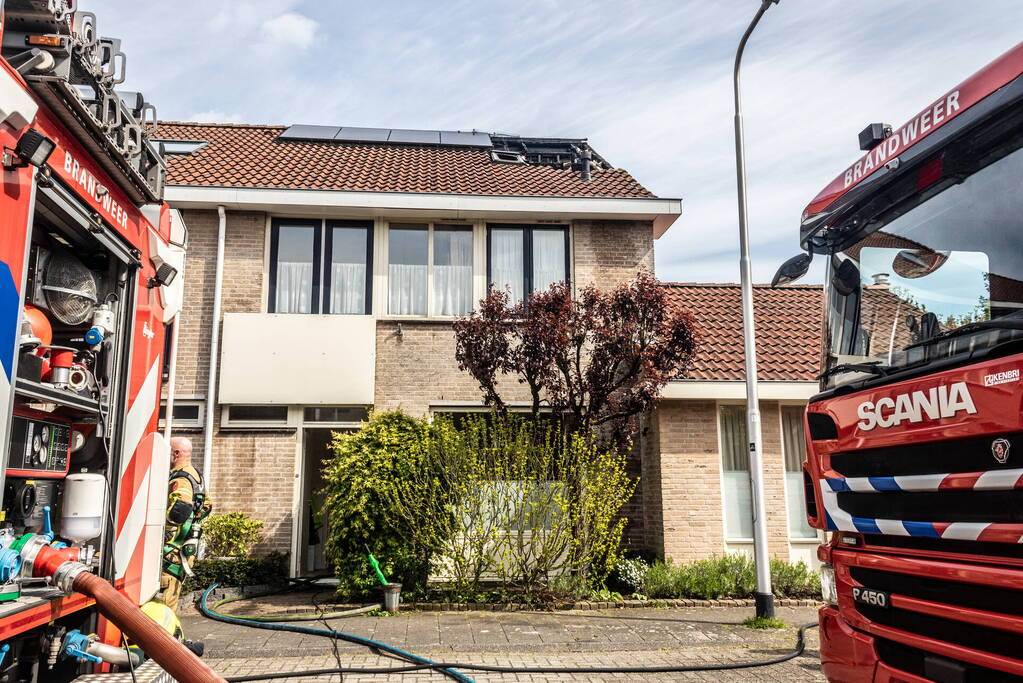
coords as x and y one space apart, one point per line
89 264
915 442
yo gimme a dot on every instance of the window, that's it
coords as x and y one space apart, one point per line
298 283
429 269
794 443
735 473
336 414
258 417
407 269
187 413
526 258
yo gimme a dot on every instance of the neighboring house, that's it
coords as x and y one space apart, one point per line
347 253
696 492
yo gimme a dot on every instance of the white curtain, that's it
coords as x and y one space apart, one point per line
407 289
452 283
795 496
506 271
738 506
548 258
294 287
348 288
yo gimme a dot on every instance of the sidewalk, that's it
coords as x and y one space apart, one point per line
623 637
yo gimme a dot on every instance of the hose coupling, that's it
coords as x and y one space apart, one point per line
67 572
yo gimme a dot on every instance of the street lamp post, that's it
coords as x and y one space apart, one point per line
764 597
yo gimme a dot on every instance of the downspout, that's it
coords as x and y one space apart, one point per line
211 386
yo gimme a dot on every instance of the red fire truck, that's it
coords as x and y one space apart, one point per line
88 258
915 456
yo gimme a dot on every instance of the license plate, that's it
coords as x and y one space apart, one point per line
870 596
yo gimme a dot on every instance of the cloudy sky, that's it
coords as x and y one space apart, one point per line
648 82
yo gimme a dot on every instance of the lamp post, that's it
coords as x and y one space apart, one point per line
764 597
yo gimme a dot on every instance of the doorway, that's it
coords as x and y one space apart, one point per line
314 528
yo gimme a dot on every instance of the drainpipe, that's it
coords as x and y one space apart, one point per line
211 386
172 375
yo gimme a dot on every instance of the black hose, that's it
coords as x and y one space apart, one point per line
446 667
329 633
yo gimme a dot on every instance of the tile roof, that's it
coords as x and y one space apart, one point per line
240 155
788 330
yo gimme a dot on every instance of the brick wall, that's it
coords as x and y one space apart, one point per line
608 252
255 471
683 478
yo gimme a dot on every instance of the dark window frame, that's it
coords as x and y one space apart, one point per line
275 234
328 259
527 251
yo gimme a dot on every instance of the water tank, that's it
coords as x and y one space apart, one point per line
85 499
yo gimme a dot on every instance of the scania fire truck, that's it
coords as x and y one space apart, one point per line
89 255
915 442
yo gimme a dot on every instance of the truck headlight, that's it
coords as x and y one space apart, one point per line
829 589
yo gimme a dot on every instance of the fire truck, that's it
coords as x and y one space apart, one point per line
89 255
915 441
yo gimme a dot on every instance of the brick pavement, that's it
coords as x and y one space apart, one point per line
631 637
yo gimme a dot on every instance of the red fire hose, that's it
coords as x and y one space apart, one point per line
177 660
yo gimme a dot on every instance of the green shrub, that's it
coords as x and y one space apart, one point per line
361 474
241 571
729 576
230 535
628 576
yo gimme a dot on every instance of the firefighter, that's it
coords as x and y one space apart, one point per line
187 506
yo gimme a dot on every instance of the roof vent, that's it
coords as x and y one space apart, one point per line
507 157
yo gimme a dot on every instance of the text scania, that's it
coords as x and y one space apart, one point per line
933 116
87 181
937 402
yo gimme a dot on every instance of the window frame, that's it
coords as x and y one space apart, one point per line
718 406
275 236
328 259
527 250
293 419
179 401
323 251
430 227
782 410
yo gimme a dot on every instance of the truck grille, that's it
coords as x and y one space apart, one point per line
982 638
922 663
937 506
955 455
989 598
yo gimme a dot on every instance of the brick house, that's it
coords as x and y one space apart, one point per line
346 254
695 469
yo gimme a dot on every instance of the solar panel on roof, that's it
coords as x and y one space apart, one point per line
356 134
429 137
451 137
310 132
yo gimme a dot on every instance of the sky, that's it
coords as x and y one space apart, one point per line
647 82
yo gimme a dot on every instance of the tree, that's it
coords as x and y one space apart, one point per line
600 358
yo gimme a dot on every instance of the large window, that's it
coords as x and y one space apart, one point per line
735 473
320 266
429 269
526 258
794 443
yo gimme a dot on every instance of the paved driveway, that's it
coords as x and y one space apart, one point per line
623 637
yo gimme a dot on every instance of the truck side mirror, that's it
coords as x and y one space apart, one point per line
792 270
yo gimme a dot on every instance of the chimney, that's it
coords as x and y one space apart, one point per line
587 158
881 280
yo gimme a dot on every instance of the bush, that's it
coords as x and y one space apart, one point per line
730 576
361 475
230 535
242 571
628 576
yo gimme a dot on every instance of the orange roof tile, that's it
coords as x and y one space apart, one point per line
788 321
241 155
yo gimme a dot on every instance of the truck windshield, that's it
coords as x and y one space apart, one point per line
895 295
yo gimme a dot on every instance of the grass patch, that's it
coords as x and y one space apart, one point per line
764 623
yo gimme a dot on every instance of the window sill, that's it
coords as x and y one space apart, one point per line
418 318
805 541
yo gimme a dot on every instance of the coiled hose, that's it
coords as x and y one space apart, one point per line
450 667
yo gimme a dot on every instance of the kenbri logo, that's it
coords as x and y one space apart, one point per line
941 401
1003 377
